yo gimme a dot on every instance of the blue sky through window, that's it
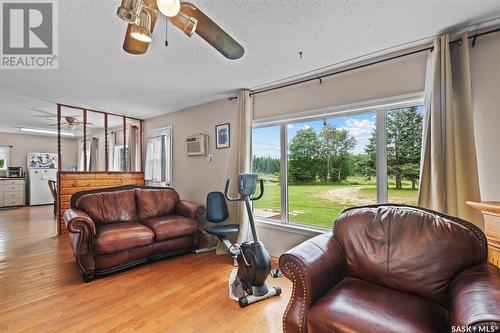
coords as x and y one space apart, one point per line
266 140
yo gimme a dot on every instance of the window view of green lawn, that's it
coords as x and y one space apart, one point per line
332 165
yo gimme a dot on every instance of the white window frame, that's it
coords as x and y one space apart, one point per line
169 131
117 157
6 148
378 106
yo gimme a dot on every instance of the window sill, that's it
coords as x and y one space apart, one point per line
290 227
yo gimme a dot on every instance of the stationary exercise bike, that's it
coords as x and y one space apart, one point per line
254 262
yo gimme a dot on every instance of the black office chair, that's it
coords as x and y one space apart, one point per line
217 213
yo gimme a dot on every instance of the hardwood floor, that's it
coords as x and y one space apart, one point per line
42 291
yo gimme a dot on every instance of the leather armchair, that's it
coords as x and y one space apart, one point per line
391 268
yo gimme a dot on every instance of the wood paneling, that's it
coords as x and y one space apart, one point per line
492 232
42 290
72 182
491 212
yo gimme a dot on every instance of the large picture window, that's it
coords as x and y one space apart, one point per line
317 166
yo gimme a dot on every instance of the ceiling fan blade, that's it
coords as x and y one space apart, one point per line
134 46
211 32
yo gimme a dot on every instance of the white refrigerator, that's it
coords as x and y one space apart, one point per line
42 167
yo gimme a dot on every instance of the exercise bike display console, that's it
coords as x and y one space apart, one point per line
254 262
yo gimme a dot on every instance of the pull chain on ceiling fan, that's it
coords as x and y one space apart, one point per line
141 16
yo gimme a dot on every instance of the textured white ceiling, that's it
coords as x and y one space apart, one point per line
96 73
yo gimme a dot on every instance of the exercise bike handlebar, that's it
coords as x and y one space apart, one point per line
261 183
226 190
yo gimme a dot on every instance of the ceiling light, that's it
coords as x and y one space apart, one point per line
142 31
169 8
186 23
42 131
130 11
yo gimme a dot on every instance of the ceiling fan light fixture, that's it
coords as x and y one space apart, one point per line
142 31
169 8
130 11
186 23
140 34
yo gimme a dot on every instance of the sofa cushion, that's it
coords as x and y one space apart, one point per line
156 202
109 207
171 226
359 306
115 237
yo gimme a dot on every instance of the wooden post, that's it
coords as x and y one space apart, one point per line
85 140
141 134
106 143
125 142
59 167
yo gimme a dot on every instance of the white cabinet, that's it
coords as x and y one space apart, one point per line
12 192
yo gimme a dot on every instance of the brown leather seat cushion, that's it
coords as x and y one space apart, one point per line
109 207
115 237
171 226
359 306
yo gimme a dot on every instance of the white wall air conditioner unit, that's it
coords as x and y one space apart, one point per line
196 145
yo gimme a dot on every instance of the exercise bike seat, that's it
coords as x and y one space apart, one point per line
223 229
217 213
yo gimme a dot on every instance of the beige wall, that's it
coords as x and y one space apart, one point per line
485 72
196 177
399 77
24 144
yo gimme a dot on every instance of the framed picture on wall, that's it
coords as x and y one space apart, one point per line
222 136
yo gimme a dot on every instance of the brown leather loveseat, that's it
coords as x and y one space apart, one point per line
115 228
391 268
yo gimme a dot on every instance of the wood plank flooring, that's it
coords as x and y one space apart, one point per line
41 289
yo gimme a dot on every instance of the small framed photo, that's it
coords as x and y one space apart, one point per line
222 136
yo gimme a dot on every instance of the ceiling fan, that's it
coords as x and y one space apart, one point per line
141 16
72 123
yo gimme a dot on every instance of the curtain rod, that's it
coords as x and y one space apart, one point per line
321 77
